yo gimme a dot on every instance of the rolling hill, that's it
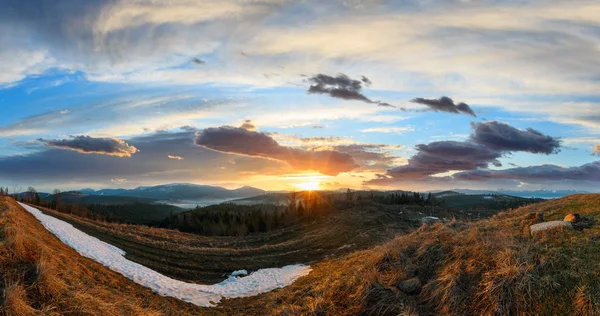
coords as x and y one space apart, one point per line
179 191
487 267
42 276
76 197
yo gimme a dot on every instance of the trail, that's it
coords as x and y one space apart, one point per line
260 281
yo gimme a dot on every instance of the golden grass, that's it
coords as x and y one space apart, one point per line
42 276
490 267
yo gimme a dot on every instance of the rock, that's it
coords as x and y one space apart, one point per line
536 228
430 220
583 222
572 218
410 286
411 270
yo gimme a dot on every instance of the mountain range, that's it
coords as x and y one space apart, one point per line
179 191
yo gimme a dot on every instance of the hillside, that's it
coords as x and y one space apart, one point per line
42 276
207 259
489 267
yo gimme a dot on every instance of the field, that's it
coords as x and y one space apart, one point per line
204 259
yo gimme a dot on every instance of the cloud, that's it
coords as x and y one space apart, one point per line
443 156
395 130
308 142
445 104
367 155
366 80
488 142
240 141
175 157
89 145
198 61
596 150
248 125
66 169
586 172
371 156
112 116
503 137
341 87
118 180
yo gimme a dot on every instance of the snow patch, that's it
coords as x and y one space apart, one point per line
239 272
345 246
257 282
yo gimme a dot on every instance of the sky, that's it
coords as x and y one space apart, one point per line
281 95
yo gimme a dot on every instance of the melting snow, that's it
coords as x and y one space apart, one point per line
239 272
260 281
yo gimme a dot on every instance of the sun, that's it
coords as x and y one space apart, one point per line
308 186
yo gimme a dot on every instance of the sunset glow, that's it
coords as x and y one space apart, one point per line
247 93
308 186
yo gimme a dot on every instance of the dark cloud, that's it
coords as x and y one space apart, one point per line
90 145
587 172
342 87
249 125
149 165
503 137
198 61
443 156
249 143
365 80
445 104
488 142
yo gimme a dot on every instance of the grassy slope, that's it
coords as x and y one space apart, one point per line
42 276
204 259
490 267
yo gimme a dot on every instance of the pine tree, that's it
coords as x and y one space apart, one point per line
300 209
37 200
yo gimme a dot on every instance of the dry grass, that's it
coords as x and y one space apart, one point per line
489 267
203 259
42 276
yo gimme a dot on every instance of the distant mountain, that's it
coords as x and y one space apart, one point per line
544 194
180 191
25 195
72 197
443 194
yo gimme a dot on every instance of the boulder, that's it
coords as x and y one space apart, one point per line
545 226
410 286
572 218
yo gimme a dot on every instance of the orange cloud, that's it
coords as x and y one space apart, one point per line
240 141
